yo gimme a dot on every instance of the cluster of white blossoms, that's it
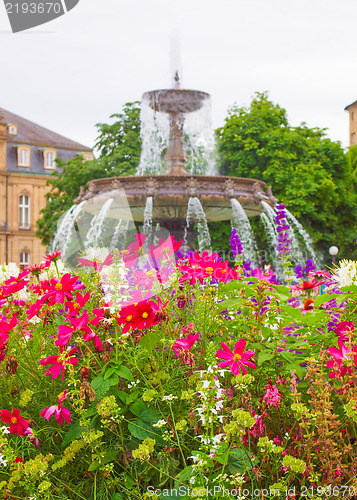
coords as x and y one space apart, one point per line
7 271
346 273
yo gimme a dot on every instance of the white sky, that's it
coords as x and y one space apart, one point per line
74 72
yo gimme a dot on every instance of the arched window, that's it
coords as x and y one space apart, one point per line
23 156
24 212
49 156
24 260
12 129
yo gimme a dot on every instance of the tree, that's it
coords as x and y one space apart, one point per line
118 145
308 172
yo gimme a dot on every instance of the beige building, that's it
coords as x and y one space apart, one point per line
27 157
352 110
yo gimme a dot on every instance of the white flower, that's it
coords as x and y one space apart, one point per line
160 423
193 480
5 430
170 397
195 458
346 273
3 460
205 384
217 439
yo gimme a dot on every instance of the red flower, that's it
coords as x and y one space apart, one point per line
341 358
165 248
145 315
52 257
38 269
59 362
134 250
59 291
127 317
80 302
17 423
205 266
237 360
308 285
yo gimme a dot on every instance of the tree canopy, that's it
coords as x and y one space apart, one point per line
118 147
308 172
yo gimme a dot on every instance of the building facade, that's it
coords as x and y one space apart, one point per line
352 111
27 158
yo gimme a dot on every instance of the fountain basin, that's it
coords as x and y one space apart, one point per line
171 195
175 101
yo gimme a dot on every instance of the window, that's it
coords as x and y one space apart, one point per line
24 260
12 129
24 212
49 156
23 156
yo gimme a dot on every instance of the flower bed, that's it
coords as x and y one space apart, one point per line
138 377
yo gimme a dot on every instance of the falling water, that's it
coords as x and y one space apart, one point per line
304 234
148 218
97 225
64 232
121 229
241 222
199 141
154 135
195 214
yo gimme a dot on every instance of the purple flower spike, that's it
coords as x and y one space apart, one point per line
237 247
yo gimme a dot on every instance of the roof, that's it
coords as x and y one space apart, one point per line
350 105
30 133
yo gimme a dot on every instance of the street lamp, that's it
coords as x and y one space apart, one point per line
333 251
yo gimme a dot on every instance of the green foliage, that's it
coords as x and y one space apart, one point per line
118 146
308 172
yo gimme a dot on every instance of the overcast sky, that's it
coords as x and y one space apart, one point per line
77 70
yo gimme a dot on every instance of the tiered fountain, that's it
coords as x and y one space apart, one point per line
175 200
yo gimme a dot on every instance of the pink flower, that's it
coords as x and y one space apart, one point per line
31 437
341 358
182 348
17 423
78 325
272 396
58 411
97 263
237 360
59 291
308 285
343 328
59 362
258 273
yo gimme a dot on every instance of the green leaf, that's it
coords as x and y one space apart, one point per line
131 397
74 432
228 304
124 372
141 430
264 356
149 341
240 461
117 496
282 290
138 407
104 459
321 299
102 386
186 473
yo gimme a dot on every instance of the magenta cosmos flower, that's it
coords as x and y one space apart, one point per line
182 348
59 362
58 411
341 357
236 360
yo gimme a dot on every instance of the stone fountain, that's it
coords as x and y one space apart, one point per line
177 200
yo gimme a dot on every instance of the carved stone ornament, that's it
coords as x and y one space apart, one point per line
229 190
192 187
151 187
257 191
272 198
116 184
